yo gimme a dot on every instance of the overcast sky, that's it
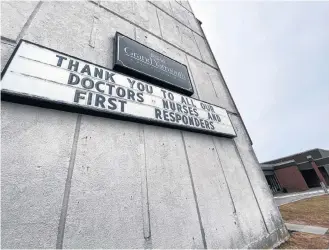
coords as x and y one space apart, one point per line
275 59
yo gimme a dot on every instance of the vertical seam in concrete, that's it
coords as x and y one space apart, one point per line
194 194
172 15
145 194
156 11
93 32
171 8
29 20
252 189
188 65
221 167
213 86
62 219
184 6
202 59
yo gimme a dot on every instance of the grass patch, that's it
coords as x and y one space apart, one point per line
312 211
300 240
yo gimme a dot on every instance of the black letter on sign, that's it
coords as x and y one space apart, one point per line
97 86
90 98
98 73
73 79
131 95
165 104
164 93
149 89
171 96
112 102
87 86
212 125
165 115
157 113
75 65
60 60
86 69
140 86
109 76
122 105
79 95
132 82
140 97
110 88
121 92
100 100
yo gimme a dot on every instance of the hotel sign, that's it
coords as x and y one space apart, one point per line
48 76
135 59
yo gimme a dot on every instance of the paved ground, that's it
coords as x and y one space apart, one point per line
284 198
306 229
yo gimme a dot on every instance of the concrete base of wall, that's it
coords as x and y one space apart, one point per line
272 240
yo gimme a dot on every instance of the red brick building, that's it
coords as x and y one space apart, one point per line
298 172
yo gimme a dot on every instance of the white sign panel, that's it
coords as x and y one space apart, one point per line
42 73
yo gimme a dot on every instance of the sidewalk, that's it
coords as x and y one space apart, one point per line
284 198
307 229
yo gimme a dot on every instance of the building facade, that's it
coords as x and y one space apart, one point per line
298 172
76 180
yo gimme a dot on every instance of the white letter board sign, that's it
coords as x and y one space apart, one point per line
45 75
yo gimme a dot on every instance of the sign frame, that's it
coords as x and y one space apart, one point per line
119 66
44 102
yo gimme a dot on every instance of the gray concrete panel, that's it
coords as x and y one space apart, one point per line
105 206
173 214
159 45
122 8
209 84
109 24
35 153
186 4
203 84
6 51
163 5
180 13
188 41
141 13
185 16
204 50
178 34
221 225
146 17
223 96
264 196
87 37
247 210
14 15
169 29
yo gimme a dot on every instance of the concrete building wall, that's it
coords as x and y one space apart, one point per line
291 179
76 181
